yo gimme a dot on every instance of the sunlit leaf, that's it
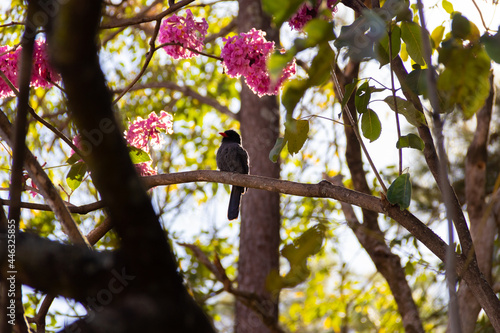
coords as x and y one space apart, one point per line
448 6
76 174
138 156
437 36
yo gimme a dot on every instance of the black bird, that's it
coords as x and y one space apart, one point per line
232 157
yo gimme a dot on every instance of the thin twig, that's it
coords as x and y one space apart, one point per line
190 49
480 15
355 129
146 62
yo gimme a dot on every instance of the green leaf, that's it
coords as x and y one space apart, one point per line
277 62
138 156
448 6
73 158
417 80
382 47
319 72
399 193
492 46
460 26
465 79
275 152
407 109
362 97
293 91
281 10
410 141
412 36
297 253
370 125
319 31
437 36
296 134
76 174
349 88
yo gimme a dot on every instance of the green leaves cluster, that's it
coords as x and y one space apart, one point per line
297 253
464 83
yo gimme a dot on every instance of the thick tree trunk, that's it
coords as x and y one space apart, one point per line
260 215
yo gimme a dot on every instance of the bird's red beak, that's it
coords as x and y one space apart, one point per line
223 134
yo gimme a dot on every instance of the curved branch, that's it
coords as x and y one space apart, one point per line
141 19
187 92
149 56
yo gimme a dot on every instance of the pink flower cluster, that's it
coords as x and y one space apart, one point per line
246 55
307 12
145 169
42 74
141 132
184 31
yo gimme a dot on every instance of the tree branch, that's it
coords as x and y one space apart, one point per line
141 19
46 186
187 92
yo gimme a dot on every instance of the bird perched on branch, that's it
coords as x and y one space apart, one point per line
232 157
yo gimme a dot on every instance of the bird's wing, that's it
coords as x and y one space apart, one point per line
243 157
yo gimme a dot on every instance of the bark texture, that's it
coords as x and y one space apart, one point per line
260 214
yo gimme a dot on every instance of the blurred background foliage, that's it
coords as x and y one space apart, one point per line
343 292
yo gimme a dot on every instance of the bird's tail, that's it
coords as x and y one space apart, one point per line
234 202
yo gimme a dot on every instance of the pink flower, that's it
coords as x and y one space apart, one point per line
42 74
34 190
185 31
307 12
145 169
143 131
332 5
8 65
246 55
